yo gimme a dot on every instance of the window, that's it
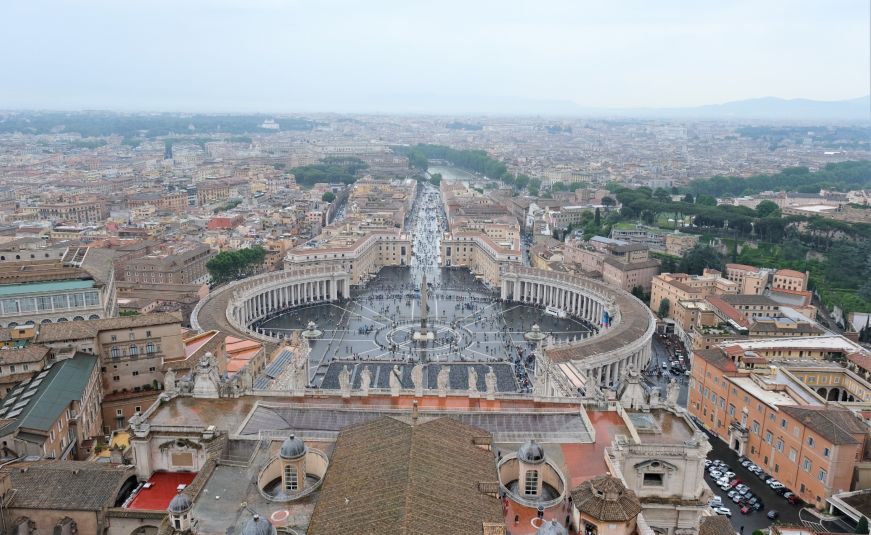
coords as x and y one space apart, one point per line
780 445
291 478
806 464
653 479
822 475
826 452
731 410
149 348
115 352
755 427
137 408
133 351
792 454
116 378
119 412
531 486
768 436
810 441
114 338
148 334
151 369
135 374
783 423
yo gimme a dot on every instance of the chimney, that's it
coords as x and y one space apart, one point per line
414 412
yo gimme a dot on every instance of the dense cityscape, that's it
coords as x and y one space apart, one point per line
463 268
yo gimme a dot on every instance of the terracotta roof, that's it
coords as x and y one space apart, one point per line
837 425
716 525
789 273
728 310
716 357
389 477
66 485
29 353
606 499
76 330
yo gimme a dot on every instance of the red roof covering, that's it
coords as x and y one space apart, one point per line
163 488
728 310
863 361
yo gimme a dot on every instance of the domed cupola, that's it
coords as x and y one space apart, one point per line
292 448
531 453
258 526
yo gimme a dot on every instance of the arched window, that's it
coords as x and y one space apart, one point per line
149 348
133 351
115 352
531 486
291 478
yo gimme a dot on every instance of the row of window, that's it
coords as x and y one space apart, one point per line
133 350
50 302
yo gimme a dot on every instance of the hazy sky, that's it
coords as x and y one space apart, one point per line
369 55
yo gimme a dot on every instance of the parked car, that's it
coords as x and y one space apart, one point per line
723 511
731 493
758 506
746 463
734 482
730 475
716 501
773 514
775 484
746 509
716 474
707 463
794 500
741 488
737 498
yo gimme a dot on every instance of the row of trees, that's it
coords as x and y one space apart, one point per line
329 170
842 176
228 266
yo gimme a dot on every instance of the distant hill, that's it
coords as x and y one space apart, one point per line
856 109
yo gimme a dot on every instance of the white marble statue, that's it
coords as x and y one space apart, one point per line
443 380
473 379
417 379
395 380
345 382
169 381
490 381
672 392
365 380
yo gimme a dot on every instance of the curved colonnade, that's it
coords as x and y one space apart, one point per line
244 302
626 327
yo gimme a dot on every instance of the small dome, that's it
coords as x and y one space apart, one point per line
258 526
531 453
552 527
292 448
181 503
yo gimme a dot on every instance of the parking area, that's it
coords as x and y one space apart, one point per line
747 523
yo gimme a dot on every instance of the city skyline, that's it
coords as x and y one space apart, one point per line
556 58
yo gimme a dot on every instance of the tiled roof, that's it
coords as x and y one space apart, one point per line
28 353
606 499
836 425
716 525
748 299
389 477
40 402
77 330
716 357
66 485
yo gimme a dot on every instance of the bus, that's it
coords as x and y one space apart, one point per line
556 312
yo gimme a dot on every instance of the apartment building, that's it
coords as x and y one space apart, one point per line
54 412
181 264
131 351
750 279
678 287
360 254
484 257
74 210
789 279
772 416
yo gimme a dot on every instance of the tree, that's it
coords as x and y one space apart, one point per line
558 186
862 526
706 200
661 195
328 196
533 191
664 307
608 201
767 209
521 181
700 257
597 219
688 198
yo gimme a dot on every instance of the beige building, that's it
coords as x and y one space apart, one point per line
184 264
750 279
678 243
131 350
677 287
789 279
484 257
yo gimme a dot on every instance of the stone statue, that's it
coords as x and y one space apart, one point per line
395 380
417 379
473 379
206 380
365 380
443 380
672 393
299 370
594 390
654 396
169 381
345 382
490 381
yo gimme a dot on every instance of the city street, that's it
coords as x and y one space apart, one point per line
657 376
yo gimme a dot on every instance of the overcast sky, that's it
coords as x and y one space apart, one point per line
368 55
